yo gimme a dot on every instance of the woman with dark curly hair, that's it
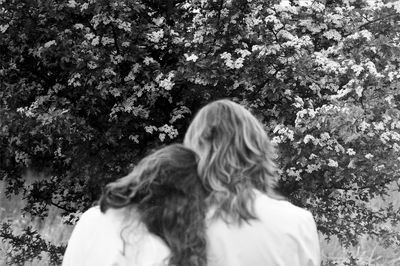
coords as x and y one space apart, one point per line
153 216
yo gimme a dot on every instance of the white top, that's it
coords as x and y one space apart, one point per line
284 235
96 241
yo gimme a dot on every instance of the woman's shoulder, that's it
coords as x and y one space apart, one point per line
95 217
103 238
91 216
265 203
91 213
93 241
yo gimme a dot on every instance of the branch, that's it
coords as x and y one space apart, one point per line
11 237
49 201
369 186
376 20
29 245
116 40
370 22
221 5
61 207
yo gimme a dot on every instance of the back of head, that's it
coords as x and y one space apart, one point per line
165 189
236 156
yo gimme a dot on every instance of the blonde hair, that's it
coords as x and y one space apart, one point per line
236 157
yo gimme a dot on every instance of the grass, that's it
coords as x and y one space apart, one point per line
369 252
52 229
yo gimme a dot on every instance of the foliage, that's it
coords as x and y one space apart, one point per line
22 251
88 87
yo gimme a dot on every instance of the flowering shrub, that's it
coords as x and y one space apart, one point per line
88 87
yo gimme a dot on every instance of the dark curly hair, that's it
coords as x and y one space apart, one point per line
170 198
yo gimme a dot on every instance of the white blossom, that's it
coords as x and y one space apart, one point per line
96 41
135 138
161 136
49 43
384 137
364 125
169 130
350 152
107 40
307 138
92 65
124 25
312 156
72 3
84 7
369 156
159 21
125 44
156 36
148 60
332 163
78 26
74 80
3 28
325 136
150 129
294 173
372 69
379 125
166 82
238 63
191 57
357 69
313 167
299 103
359 91
276 140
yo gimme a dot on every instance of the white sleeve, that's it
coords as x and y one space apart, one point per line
310 242
94 241
79 240
97 241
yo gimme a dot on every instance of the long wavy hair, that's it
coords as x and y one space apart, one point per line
236 157
166 191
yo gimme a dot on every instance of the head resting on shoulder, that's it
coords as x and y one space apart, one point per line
236 157
166 191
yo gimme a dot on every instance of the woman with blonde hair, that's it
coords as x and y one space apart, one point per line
248 224
154 216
